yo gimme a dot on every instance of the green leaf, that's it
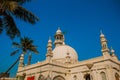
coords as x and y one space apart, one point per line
10 26
14 52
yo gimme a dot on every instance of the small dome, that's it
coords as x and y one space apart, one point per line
58 31
102 35
112 50
61 52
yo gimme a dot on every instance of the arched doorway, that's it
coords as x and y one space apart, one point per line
87 77
58 78
41 77
117 76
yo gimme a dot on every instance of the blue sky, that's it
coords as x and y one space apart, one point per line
82 21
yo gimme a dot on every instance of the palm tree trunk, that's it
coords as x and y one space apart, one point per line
29 59
2 75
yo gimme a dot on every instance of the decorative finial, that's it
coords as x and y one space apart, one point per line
101 31
112 50
58 28
49 39
58 31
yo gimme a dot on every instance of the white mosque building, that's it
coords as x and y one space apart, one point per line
62 64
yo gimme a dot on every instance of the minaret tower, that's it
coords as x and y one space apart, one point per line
49 50
105 50
21 62
59 38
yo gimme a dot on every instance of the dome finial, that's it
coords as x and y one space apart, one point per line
58 28
58 31
49 39
101 33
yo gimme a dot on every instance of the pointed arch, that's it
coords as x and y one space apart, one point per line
103 76
58 78
117 76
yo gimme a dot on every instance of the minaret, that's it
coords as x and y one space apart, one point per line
49 50
21 62
113 54
59 38
105 50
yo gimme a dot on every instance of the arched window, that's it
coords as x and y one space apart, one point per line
87 77
41 77
103 76
75 77
58 78
116 76
48 78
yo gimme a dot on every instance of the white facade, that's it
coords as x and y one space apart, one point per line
62 64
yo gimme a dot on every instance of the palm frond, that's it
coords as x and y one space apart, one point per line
15 44
16 0
9 5
34 49
10 26
22 1
25 15
14 52
1 25
27 45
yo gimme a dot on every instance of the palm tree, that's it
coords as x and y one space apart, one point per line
25 46
10 9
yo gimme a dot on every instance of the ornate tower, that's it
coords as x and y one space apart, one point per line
59 38
49 50
105 50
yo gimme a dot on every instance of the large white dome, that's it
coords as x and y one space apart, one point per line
61 52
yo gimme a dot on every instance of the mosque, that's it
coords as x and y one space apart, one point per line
62 63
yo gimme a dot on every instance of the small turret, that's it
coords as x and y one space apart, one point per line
49 50
21 62
113 54
105 50
59 38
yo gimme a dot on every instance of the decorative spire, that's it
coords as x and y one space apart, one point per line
21 63
104 46
112 50
59 38
113 54
49 41
49 49
101 33
49 45
58 31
